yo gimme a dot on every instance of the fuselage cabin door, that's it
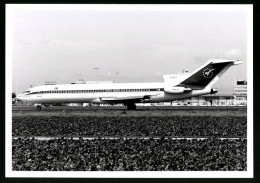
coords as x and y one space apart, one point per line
39 94
158 91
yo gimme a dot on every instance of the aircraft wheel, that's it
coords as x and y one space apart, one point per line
131 106
39 107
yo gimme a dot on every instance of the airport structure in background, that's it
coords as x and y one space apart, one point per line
240 92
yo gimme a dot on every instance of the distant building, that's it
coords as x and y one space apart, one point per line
213 100
80 81
204 100
95 82
240 92
50 83
75 104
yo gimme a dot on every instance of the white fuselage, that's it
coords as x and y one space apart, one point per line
94 93
174 87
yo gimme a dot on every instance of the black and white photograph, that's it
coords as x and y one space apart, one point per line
124 91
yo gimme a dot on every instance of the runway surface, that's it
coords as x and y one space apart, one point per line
93 138
122 111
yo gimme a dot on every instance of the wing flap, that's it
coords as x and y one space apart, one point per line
122 99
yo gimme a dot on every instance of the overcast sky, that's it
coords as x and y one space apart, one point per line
65 45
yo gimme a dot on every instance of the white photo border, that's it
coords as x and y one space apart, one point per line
11 8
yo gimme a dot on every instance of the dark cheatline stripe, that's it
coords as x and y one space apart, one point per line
98 91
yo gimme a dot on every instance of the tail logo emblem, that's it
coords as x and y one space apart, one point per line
208 73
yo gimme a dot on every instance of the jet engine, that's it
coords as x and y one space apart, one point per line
176 90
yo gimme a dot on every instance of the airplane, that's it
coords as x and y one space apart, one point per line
174 87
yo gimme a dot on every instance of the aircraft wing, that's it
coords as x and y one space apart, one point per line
125 99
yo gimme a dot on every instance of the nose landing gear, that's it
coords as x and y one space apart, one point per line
131 106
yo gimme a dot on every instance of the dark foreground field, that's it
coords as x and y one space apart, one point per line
151 138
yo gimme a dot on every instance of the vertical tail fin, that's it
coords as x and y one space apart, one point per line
208 74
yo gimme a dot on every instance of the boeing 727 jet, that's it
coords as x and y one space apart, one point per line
174 87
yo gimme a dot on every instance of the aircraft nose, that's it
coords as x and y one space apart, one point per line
20 97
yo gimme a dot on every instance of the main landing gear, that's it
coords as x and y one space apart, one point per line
39 108
131 106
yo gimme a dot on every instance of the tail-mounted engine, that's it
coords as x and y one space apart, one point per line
176 90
